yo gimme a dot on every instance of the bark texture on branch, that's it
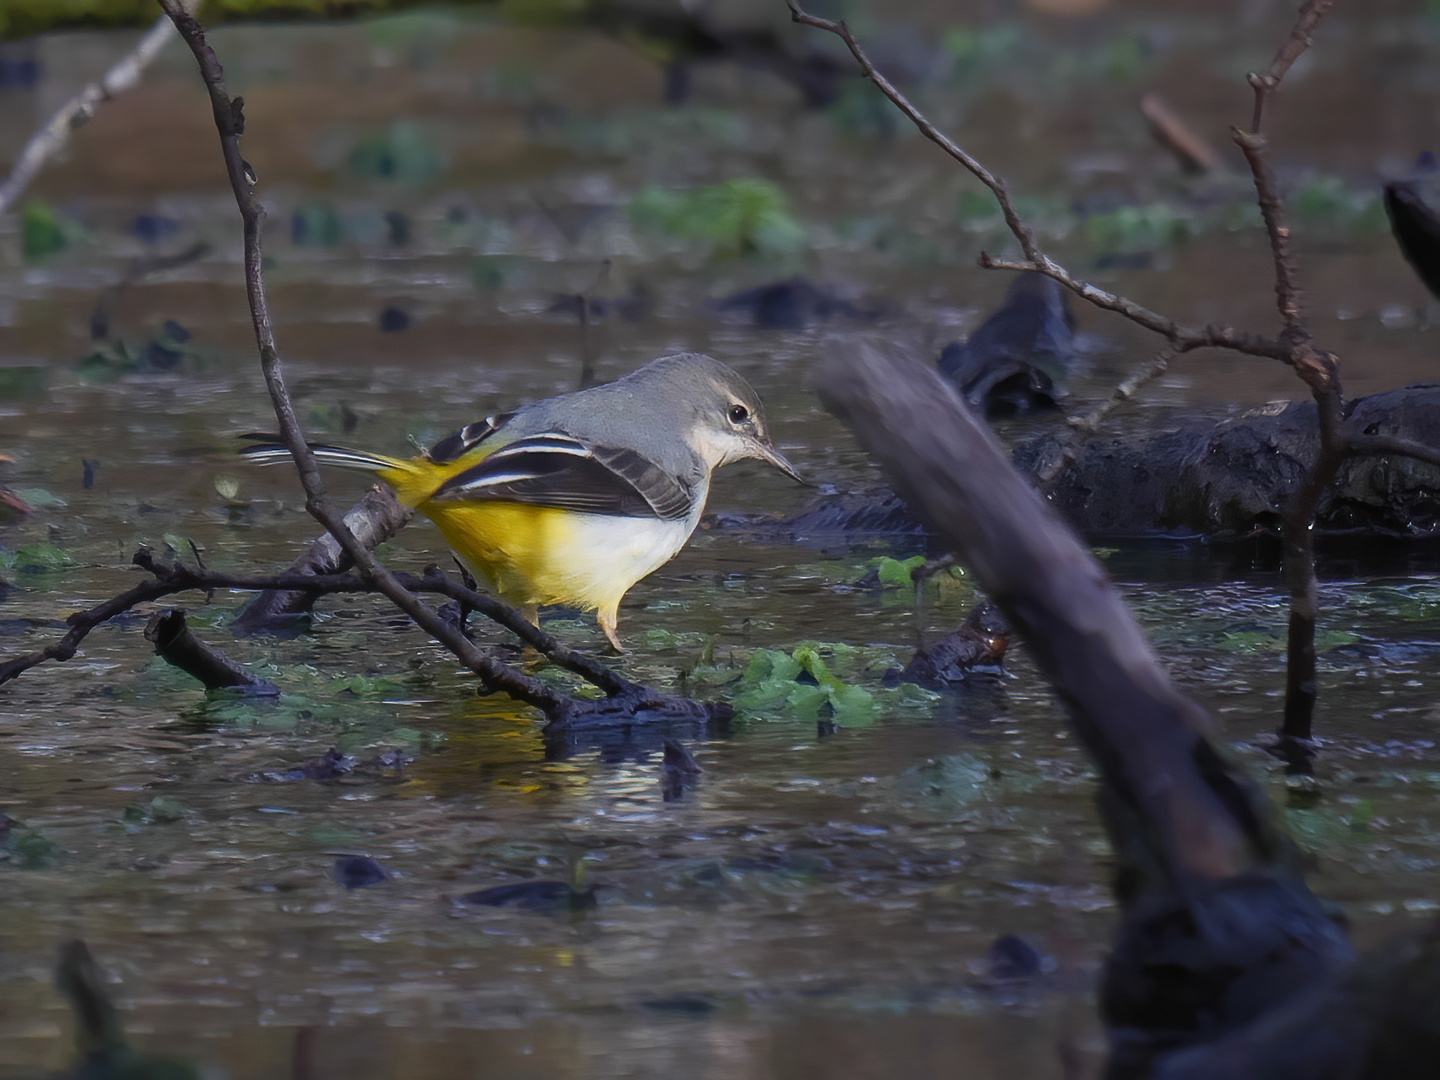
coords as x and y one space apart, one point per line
176 644
374 519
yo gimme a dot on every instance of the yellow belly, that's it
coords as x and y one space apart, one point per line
542 555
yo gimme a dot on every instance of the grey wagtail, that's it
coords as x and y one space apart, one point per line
574 499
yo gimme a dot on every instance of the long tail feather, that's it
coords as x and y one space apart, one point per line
276 453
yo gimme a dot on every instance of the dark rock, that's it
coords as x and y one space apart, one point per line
328 766
1016 360
153 228
393 320
789 305
1012 957
359 872
532 896
971 654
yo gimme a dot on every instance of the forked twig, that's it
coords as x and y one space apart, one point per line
173 578
1311 12
1182 338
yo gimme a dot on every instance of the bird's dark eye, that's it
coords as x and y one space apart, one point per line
739 414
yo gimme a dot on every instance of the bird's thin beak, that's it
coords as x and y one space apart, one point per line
765 452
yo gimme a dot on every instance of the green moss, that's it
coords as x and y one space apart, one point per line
744 216
41 232
21 18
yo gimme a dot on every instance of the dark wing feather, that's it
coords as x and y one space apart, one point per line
551 469
669 497
458 443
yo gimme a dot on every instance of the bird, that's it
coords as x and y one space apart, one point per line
573 499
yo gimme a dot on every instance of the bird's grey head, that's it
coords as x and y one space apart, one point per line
727 420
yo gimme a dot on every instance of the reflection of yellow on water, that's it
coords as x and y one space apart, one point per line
493 742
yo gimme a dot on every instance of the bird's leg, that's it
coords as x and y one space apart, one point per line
608 620
532 657
469 581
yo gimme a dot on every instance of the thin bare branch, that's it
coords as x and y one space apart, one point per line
172 578
1181 337
81 623
52 137
930 131
1272 210
1311 12
1136 313
1302 686
1140 377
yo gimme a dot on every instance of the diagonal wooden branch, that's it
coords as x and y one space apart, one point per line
51 138
1146 738
374 519
178 645
1218 933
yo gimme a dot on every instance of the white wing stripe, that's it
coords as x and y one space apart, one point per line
495 479
541 444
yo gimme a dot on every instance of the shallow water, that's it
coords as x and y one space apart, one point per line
818 903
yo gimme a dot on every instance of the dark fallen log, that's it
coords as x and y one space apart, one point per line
1223 481
1218 930
1228 480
